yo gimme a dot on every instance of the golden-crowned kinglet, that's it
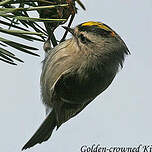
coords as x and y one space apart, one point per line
76 71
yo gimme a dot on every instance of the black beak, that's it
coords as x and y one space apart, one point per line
69 30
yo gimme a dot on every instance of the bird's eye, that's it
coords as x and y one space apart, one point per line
83 39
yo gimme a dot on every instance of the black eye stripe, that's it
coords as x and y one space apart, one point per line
83 39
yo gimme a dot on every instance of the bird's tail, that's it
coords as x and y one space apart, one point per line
44 131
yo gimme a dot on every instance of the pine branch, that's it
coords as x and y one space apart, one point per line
17 18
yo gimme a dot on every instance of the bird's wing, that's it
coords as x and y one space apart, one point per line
65 109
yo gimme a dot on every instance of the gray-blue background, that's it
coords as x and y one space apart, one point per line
121 116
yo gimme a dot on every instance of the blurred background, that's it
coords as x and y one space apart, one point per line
121 116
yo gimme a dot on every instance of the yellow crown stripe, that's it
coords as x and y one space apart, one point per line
100 25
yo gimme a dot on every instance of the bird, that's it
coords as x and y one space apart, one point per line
75 72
